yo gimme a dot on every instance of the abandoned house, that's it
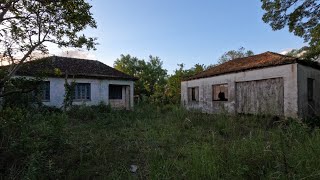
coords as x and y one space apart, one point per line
94 82
267 83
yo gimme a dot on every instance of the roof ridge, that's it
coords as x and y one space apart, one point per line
77 66
265 59
75 58
234 60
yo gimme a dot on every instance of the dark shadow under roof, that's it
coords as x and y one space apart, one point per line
267 59
73 67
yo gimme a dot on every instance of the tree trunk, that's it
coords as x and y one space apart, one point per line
1 98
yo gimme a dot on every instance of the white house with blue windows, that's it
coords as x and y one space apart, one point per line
95 82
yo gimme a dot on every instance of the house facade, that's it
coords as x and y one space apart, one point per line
94 82
267 83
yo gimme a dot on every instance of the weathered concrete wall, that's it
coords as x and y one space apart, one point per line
99 91
304 73
287 72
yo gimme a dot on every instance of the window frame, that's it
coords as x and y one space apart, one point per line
78 93
42 92
45 91
192 94
226 85
117 96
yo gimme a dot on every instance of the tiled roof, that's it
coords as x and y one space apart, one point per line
72 67
266 59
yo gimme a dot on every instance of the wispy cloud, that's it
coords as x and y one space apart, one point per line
77 53
285 51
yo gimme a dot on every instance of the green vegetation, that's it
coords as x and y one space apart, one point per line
234 54
165 142
154 84
28 26
301 18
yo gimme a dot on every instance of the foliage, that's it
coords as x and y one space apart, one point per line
301 17
85 113
165 142
173 88
68 96
304 53
299 53
22 92
151 74
26 26
32 143
233 54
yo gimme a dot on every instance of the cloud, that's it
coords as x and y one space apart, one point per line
77 53
284 52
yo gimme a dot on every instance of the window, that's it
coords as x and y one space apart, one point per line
43 91
193 94
310 86
82 91
115 92
220 92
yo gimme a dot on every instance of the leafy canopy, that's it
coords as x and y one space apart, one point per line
233 54
28 25
151 74
301 16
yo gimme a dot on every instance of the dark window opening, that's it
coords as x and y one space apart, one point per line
220 92
115 92
82 91
310 87
193 94
193 91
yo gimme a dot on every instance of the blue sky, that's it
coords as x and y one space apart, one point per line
183 31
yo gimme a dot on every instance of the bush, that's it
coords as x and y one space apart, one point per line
102 108
88 113
165 142
82 113
31 143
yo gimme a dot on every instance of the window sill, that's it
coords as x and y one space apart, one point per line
220 101
194 102
81 100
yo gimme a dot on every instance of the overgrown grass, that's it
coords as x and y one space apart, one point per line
164 142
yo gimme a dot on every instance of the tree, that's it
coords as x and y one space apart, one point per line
299 53
28 25
301 17
233 54
173 87
151 75
127 64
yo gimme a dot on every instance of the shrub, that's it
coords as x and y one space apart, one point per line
82 113
30 144
102 108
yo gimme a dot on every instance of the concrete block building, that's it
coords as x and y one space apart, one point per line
267 83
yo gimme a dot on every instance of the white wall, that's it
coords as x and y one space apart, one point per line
287 72
305 72
99 91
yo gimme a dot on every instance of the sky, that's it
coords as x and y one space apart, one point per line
181 31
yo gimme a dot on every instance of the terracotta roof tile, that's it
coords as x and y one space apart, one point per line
266 59
73 67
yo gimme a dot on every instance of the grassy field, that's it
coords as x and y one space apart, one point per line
164 143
